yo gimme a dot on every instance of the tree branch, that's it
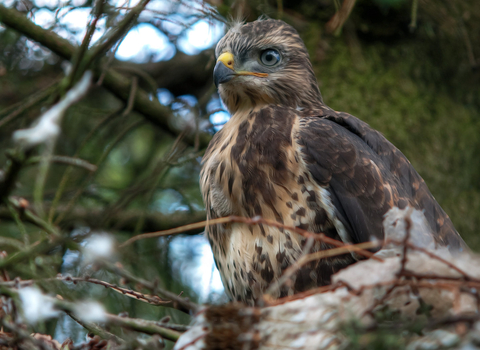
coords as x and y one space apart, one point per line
123 220
147 327
118 84
187 74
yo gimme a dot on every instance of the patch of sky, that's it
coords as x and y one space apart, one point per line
192 7
185 111
8 3
70 22
174 25
44 18
124 3
168 201
154 9
218 115
165 97
144 43
214 104
185 101
200 36
67 328
218 119
192 259
58 3
71 260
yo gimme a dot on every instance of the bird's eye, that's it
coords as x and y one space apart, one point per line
270 57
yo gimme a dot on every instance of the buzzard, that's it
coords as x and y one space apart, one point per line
284 155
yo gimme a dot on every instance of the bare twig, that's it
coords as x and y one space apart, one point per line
131 98
336 23
413 16
15 161
178 302
104 155
111 37
63 182
77 58
150 299
254 221
22 106
305 259
434 256
147 327
408 227
94 329
77 162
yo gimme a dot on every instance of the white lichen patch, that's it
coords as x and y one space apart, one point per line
90 311
99 247
36 306
47 127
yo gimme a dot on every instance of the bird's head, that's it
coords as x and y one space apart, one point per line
264 62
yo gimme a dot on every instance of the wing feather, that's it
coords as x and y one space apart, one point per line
366 176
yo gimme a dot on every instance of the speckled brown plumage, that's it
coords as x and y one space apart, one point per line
287 157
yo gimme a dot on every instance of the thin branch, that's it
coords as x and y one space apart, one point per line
115 33
104 155
149 299
30 101
36 249
336 23
131 98
11 242
24 335
122 220
408 227
15 161
94 329
179 303
77 162
448 263
117 83
254 221
63 182
77 58
413 16
322 254
22 206
147 327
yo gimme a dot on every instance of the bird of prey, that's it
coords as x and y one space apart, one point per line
285 156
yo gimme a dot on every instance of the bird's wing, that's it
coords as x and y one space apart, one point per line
366 176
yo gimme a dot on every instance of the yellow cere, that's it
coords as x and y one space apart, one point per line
227 59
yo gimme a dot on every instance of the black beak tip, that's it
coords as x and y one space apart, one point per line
222 74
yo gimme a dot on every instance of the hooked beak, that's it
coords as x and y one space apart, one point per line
222 74
224 71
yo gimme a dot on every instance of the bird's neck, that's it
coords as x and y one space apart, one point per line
243 102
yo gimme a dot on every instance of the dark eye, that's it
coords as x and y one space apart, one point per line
270 57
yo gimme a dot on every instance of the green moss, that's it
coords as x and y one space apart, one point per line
437 133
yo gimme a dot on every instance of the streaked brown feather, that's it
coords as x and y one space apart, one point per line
286 156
